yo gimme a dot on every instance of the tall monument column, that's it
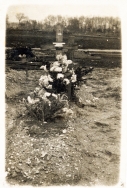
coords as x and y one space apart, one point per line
59 39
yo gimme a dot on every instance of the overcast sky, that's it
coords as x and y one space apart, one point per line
39 11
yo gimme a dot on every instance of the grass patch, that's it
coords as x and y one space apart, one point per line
101 124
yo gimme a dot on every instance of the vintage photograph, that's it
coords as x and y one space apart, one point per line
63 69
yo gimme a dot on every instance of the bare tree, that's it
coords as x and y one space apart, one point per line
20 17
7 20
34 24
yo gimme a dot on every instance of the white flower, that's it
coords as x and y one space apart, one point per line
66 81
59 75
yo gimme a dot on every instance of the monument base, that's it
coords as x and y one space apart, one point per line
58 44
58 47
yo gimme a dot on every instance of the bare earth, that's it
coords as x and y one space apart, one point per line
83 150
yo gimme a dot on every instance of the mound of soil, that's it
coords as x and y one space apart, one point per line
81 150
14 82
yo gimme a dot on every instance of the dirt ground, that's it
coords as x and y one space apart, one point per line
82 150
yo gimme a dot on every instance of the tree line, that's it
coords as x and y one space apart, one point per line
80 24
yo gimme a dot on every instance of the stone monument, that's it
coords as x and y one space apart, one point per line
59 39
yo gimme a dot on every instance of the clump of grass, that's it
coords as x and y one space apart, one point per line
115 95
101 124
108 88
112 92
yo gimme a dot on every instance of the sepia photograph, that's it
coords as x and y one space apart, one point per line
63 94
